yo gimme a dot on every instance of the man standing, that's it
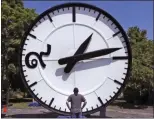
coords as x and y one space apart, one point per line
76 101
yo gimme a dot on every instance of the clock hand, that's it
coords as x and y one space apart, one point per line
80 50
88 55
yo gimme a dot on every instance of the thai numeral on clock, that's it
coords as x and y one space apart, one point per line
39 56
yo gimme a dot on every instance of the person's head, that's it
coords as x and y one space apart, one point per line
76 90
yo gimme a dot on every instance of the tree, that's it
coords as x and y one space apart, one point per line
141 81
15 21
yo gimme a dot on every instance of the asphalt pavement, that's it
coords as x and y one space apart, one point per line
111 112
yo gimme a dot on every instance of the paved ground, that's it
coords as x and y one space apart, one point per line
112 111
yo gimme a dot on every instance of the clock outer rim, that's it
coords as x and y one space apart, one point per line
85 5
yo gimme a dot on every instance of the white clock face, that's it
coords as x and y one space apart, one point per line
58 34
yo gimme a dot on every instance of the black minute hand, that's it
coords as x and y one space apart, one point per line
80 50
87 55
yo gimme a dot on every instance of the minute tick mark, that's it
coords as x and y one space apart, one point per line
73 14
33 84
98 16
117 82
51 101
120 57
116 34
100 100
50 18
31 35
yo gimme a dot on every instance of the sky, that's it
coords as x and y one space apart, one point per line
127 13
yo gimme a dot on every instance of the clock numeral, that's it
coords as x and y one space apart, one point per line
65 109
60 108
98 16
87 109
100 100
120 58
34 61
33 84
73 14
51 102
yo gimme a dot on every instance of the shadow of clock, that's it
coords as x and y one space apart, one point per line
80 66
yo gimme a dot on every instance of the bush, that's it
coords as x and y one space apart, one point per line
137 97
16 94
131 95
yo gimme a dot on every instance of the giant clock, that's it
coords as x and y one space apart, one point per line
75 45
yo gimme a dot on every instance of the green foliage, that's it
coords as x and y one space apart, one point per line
141 81
15 21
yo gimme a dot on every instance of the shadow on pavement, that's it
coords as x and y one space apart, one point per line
46 115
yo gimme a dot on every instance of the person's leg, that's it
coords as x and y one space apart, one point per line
80 116
73 115
77 115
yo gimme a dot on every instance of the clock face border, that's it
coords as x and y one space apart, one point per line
85 6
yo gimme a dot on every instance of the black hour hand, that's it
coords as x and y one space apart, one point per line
69 66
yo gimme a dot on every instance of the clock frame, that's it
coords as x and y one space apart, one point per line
74 5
